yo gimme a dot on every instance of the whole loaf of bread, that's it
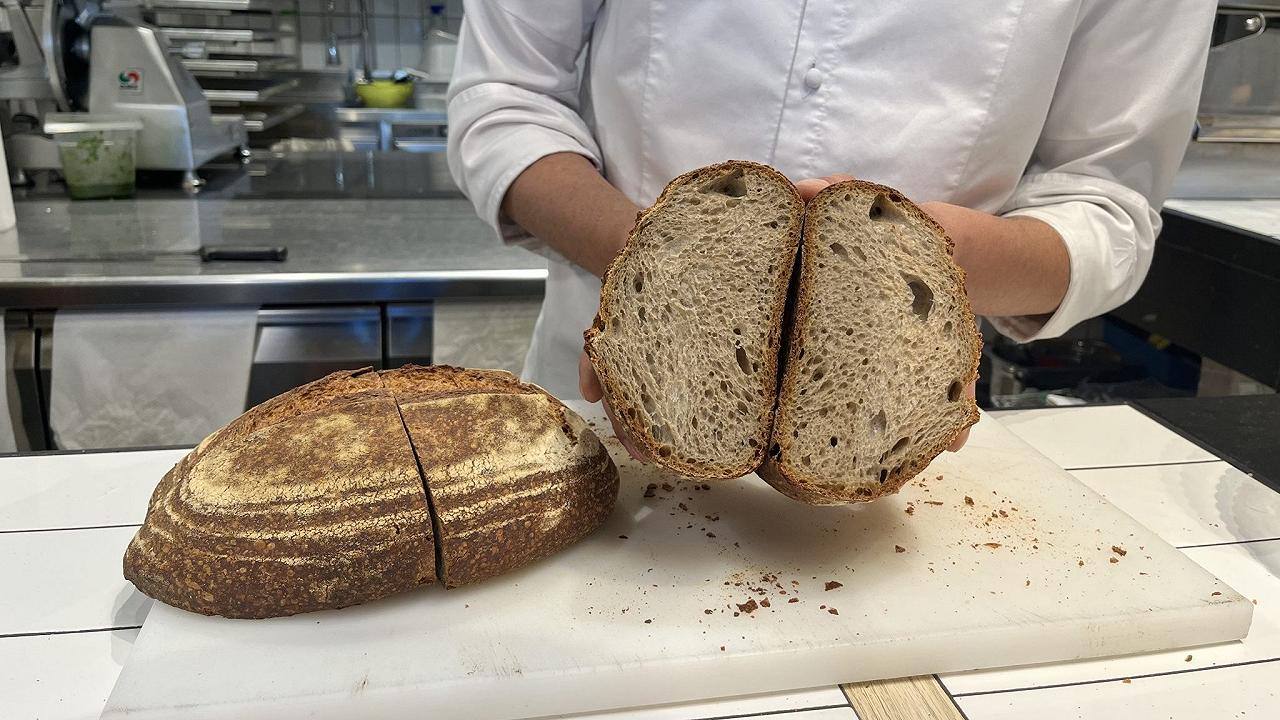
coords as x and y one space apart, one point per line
364 484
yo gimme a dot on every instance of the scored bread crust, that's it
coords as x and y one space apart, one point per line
626 411
513 478
788 479
317 499
270 523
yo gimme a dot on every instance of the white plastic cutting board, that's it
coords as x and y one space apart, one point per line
1023 575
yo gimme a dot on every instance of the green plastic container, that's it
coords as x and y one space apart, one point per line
98 152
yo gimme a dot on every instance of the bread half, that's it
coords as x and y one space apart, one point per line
882 348
687 337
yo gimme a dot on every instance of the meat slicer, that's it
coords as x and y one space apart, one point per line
99 56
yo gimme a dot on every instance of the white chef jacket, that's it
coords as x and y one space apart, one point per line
1075 112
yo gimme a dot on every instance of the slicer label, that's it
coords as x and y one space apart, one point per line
131 80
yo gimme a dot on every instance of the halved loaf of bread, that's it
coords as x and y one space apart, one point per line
364 484
882 347
882 343
691 311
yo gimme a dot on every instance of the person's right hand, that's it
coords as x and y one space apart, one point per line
592 391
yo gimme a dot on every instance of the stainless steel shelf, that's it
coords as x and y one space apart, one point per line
233 35
242 90
257 119
220 6
230 63
421 145
430 112
1238 128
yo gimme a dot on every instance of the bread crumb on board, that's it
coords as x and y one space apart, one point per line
832 585
899 549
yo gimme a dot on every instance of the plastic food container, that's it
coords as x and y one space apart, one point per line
99 153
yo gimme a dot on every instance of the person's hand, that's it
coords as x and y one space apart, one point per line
592 391
812 186
955 221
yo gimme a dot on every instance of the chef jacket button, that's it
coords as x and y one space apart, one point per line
813 78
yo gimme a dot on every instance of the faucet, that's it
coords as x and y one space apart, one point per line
367 50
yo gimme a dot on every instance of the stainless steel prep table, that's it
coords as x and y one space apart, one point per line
362 284
339 251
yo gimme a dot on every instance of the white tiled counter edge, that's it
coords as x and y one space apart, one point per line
60 652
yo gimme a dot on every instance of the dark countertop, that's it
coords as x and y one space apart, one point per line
1213 289
1243 429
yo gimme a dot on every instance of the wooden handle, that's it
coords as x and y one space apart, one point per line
911 698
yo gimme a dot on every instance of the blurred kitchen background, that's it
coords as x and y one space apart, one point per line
216 200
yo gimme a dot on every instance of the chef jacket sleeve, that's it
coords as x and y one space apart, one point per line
1116 131
514 97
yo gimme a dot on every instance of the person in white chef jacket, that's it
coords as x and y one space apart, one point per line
1043 136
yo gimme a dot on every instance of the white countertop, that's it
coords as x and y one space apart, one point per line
1259 216
68 619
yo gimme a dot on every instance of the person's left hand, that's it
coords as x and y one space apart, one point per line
952 218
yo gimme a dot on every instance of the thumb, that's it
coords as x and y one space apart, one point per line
588 383
812 186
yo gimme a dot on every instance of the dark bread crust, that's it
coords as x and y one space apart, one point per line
269 525
314 500
626 409
790 479
500 502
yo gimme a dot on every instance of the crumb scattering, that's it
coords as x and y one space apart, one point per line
1119 550
1126 681
833 611
968 500
1186 659
748 607
796 600
1114 560
832 585
933 502
1214 593
899 549
622 537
